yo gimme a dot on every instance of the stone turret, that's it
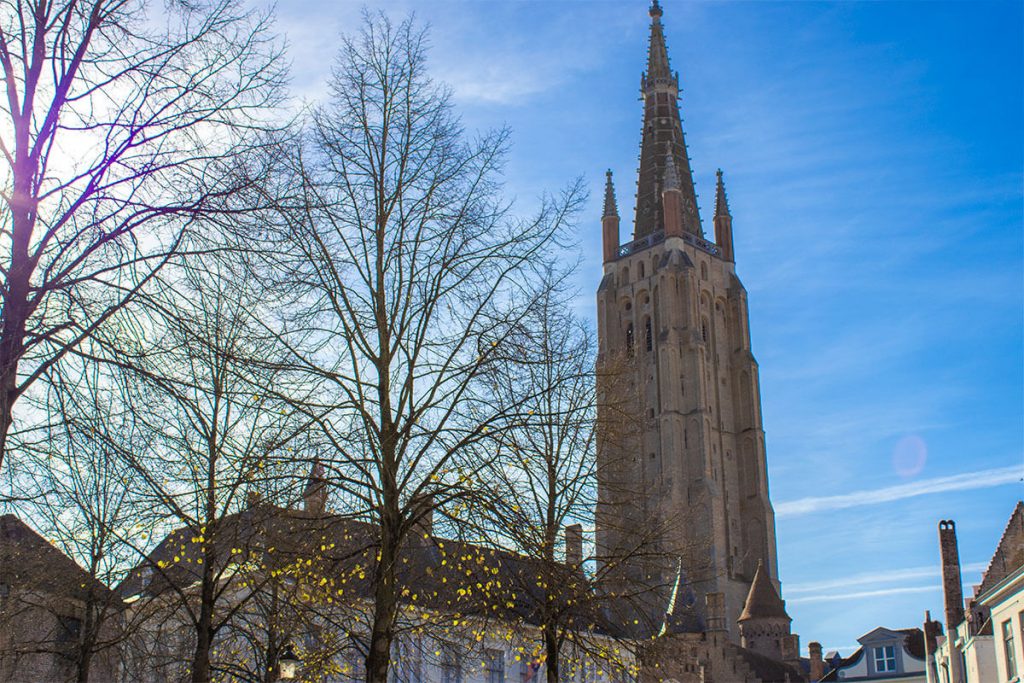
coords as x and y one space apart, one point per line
764 623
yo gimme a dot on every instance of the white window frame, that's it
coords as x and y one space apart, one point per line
885 658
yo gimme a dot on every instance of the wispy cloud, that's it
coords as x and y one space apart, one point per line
958 482
876 578
857 595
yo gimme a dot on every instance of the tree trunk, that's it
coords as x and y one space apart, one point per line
551 653
15 309
204 634
385 595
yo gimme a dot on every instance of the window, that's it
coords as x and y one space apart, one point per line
406 664
495 666
648 335
704 330
885 658
451 666
629 339
1008 652
528 670
354 666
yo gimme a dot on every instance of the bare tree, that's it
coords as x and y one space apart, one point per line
86 509
119 126
203 430
412 273
543 480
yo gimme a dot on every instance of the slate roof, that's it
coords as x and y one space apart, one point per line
30 562
1009 554
763 601
443 574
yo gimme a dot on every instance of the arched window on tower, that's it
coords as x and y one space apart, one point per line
630 340
641 269
704 330
648 334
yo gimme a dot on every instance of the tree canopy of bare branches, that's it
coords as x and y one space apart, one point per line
120 125
412 273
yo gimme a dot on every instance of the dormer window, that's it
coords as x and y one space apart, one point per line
885 658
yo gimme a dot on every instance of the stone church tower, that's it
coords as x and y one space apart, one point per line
683 492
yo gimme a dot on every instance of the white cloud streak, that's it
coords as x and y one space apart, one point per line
957 482
876 578
858 595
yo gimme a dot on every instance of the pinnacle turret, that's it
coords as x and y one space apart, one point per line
671 181
721 201
611 208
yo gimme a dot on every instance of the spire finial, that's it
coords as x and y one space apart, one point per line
721 201
611 208
671 180
655 10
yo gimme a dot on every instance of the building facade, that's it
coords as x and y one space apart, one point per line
983 641
681 449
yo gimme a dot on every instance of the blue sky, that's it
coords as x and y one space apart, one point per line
873 155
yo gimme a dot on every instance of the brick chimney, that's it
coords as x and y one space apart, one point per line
424 526
574 545
953 593
817 664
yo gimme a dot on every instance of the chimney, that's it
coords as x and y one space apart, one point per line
817 664
790 648
715 603
953 593
314 498
424 510
574 545
610 221
932 631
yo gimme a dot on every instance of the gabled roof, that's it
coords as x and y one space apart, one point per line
30 562
440 574
763 601
1009 554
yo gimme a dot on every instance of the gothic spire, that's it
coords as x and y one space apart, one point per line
657 53
721 201
611 208
662 131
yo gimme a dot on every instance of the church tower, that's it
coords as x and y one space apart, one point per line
682 484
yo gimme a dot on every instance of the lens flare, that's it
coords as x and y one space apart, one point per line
909 456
